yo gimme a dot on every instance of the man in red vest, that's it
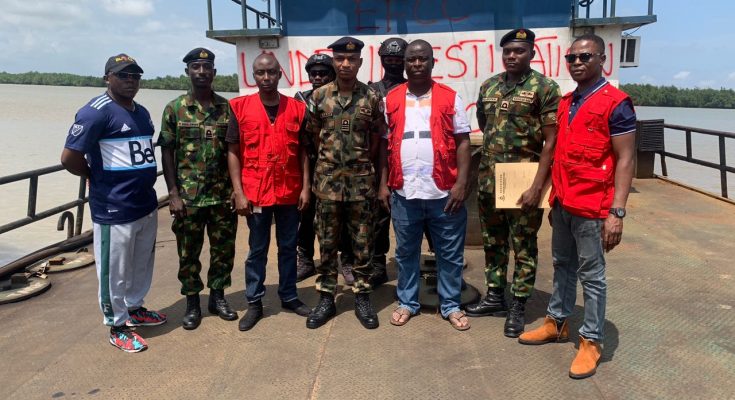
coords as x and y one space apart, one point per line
591 177
425 162
269 169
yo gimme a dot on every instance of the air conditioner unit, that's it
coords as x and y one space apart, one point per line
630 49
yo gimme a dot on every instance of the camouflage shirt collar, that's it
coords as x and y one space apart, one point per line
334 88
524 77
217 100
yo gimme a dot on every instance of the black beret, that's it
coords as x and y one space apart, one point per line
319 59
120 62
518 35
393 47
347 44
200 53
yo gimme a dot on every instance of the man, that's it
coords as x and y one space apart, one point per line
269 170
194 155
346 119
425 160
320 70
516 111
111 143
591 178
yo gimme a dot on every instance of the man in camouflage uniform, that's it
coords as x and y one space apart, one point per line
321 71
346 119
516 111
194 154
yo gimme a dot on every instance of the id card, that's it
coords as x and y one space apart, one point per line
257 209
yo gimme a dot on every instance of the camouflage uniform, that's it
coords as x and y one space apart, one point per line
513 119
344 177
198 138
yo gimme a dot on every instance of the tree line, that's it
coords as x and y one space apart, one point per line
642 95
222 83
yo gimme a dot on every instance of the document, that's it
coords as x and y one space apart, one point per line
512 179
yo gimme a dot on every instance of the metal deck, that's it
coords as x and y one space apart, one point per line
670 331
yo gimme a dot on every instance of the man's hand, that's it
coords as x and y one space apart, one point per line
612 232
457 196
304 198
176 206
530 199
243 206
384 197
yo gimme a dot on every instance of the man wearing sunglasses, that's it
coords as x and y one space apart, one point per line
591 177
111 143
516 111
320 70
194 155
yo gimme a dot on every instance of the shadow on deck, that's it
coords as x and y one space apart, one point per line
669 333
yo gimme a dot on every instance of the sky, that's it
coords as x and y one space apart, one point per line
689 46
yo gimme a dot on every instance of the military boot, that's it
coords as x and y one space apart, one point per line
364 311
218 305
193 315
304 265
379 275
323 312
252 316
492 304
516 319
551 331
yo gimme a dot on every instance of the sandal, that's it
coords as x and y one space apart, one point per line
455 319
401 311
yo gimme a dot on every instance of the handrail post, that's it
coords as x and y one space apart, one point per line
244 10
80 208
209 14
689 144
650 7
612 9
32 194
604 8
723 163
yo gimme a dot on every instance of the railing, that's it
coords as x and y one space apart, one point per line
608 8
720 166
273 7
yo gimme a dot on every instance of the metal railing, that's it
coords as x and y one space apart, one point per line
688 157
266 16
608 8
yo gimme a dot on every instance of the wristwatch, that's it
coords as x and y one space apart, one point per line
618 212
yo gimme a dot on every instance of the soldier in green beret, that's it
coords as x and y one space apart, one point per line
194 154
516 111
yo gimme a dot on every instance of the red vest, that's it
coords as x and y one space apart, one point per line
269 153
583 173
442 135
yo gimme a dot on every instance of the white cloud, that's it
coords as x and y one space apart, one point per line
731 76
137 8
43 14
682 75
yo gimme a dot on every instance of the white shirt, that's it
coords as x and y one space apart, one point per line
417 150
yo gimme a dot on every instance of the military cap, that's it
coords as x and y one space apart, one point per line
393 47
319 59
200 53
120 62
518 35
347 44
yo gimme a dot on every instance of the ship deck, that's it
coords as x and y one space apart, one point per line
670 330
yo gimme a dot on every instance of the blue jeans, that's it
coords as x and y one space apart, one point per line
448 234
576 248
287 224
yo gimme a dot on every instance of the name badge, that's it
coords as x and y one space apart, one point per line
209 132
504 105
345 126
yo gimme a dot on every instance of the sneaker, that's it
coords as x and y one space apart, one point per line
145 317
126 340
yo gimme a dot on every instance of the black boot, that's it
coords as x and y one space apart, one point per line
304 265
218 305
364 311
193 315
379 275
516 320
322 313
296 306
492 304
252 316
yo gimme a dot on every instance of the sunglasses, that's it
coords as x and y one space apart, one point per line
128 75
584 57
316 73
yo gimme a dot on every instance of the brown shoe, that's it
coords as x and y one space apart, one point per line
588 356
549 332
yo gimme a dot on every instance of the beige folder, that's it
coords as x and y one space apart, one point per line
512 179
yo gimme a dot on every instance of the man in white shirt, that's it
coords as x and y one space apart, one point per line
425 160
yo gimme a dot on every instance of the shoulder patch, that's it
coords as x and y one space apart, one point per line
76 130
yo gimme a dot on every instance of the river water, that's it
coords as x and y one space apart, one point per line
34 121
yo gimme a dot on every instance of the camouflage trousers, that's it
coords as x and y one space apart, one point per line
357 217
500 225
221 225
381 240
